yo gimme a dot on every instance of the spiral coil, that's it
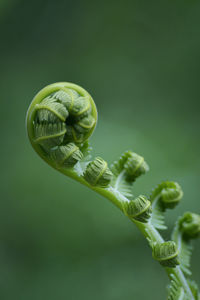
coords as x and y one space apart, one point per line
60 119
139 209
97 173
166 254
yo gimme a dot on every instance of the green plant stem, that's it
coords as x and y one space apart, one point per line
150 232
147 229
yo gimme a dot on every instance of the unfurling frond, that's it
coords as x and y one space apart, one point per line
166 195
139 209
132 164
97 173
165 253
60 120
126 170
66 156
187 228
175 290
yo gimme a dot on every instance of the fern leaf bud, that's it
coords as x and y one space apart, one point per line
171 194
97 173
190 225
66 156
139 209
135 166
49 110
49 135
61 113
166 253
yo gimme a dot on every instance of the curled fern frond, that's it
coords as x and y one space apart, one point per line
97 173
169 193
190 225
132 164
50 110
166 195
66 156
118 166
135 166
125 170
49 135
185 249
119 183
60 120
187 227
139 209
165 253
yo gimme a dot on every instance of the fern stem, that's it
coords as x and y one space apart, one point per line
60 120
147 229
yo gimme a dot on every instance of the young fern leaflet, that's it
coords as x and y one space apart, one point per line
60 121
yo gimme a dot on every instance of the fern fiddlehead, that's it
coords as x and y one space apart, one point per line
139 209
165 196
166 253
60 121
61 117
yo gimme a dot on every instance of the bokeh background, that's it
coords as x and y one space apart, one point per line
140 61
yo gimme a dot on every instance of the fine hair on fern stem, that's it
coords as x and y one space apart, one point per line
60 121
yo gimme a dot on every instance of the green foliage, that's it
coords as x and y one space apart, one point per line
66 156
97 173
131 164
49 135
60 121
51 111
189 225
119 181
166 195
139 209
125 170
176 291
166 253
186 228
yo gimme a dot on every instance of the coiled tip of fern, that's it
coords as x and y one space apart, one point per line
139 209
165 253
66 156
97 173
135 166
131 164
60 119
169 193
189 224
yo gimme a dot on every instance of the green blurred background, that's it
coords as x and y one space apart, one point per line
140 62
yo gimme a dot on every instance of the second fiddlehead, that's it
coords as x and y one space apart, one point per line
60 120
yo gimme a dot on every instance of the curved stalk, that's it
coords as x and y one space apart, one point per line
60 120
147 229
